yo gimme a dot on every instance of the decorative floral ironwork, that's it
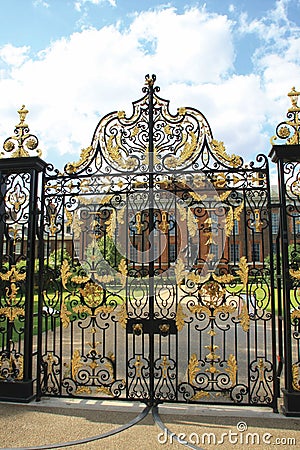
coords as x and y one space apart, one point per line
12 310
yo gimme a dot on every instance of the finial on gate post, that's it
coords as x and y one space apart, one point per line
149 81
289 130
293 94
149 84
22 137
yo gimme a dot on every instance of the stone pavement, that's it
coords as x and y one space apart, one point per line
57 421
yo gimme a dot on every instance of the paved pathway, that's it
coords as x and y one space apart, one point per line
61 420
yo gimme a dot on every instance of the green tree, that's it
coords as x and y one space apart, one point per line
109 251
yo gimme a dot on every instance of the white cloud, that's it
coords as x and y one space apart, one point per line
79 3
277 59
272 28
14 56
41 3
192 47
75 81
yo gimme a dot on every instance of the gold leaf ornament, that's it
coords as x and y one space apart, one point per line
226 278
220 151
122 316
243 270
244 318
295 274
199 395
295 377
76 363
229 224
179 271
180 315
192 223
13 275
115 154
122 268
111 223
65 273
85 155
232 369
193 369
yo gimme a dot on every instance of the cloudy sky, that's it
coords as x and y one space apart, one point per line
72 61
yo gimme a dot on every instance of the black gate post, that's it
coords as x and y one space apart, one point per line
19 181
287 158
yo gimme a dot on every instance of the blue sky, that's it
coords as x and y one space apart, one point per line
73 61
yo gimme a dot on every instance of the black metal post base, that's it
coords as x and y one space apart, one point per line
18 391
291 403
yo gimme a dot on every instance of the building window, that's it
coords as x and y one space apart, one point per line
156 252
255 252
172 225
255 221
214 250
133 253
235 229
275 223
77 247
214 222
297 225
132 227
234 252
172 253
18 248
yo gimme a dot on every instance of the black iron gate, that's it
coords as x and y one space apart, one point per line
155 276
156 267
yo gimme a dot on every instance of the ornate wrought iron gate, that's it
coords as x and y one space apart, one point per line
155 282
144 271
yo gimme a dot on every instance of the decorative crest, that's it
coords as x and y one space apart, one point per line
289 130
24 139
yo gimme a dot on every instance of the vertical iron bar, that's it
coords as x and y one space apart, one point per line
28 335
285 277
151 250
276 386
41 274
279 312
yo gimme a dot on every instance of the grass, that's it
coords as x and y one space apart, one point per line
119 296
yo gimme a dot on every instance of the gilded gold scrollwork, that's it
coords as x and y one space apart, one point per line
220 151
115 154
85 155
189 147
